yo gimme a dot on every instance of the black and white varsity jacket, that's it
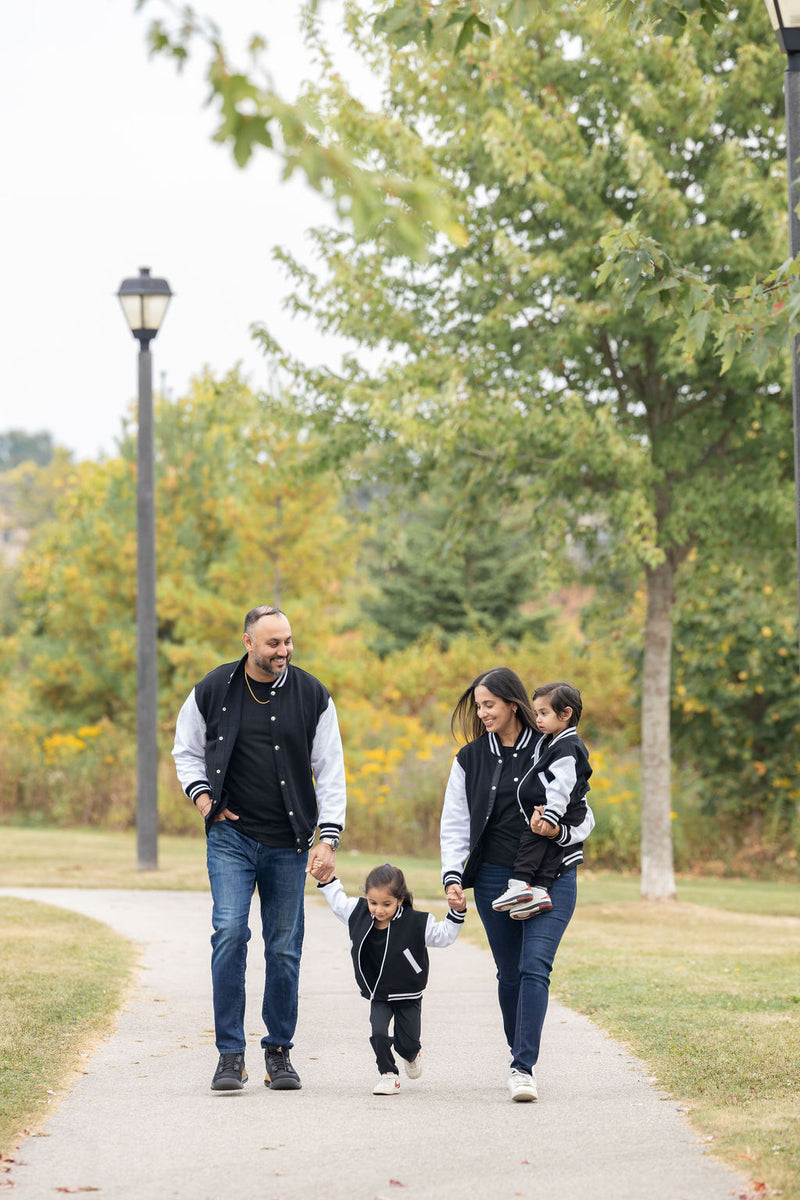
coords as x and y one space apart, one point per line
306 742
404 971
558 777
469 801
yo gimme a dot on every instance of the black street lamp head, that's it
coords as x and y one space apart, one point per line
144 301
784 16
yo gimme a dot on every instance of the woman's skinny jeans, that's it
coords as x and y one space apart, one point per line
523 952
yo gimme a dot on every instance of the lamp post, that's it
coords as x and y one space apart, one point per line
144 301
785 18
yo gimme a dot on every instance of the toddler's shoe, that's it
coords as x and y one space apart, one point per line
517 893
414 1068
387 1085
540 902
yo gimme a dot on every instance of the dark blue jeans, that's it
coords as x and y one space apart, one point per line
523 952
237 865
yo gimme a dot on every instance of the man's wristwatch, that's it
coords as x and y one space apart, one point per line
332 840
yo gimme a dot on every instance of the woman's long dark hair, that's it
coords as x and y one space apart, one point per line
501 682
387 876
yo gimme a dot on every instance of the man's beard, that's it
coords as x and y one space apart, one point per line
268 665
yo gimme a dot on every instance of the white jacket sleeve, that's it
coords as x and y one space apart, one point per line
443 933
576 833
454 832
327 763
558 783
189 750
340 904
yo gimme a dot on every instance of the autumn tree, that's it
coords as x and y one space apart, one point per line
506 354
238 523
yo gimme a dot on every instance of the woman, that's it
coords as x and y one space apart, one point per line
480 835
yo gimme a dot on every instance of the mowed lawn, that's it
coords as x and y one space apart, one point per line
706 991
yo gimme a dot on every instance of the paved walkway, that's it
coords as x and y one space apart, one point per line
143 1123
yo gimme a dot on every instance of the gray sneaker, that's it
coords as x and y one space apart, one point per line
230 1075
281 1075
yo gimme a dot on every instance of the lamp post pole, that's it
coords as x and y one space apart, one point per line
144 301
792 101
784 16
146 626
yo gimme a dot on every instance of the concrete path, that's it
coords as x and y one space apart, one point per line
143 1122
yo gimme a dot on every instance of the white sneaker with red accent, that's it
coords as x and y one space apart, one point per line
518 892
387 1085
539 902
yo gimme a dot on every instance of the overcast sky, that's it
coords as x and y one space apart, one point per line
108 166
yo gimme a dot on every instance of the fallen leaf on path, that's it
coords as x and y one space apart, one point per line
396 1183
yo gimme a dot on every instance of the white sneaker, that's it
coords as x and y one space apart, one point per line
540 902
387 1085
414 1068
518 892
522 1087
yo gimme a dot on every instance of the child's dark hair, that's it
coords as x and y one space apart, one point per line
387 876
561 696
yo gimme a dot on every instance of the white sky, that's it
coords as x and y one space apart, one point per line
108 165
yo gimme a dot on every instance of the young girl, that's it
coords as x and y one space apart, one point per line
388 943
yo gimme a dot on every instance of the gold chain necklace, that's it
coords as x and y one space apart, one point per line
252 693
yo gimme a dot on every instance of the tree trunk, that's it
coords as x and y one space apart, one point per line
658 876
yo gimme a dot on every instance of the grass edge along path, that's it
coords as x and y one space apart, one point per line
710 1001
64 979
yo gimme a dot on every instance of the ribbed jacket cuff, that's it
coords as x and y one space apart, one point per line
328 829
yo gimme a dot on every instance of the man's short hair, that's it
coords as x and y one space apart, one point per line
263 610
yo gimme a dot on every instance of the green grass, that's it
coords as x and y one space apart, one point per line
705 991
64 977
710 999
92 858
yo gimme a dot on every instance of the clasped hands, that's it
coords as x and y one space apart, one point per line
322 863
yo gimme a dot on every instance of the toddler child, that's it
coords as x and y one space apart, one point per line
388 944
556 782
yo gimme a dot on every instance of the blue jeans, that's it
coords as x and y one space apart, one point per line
237 865
523 952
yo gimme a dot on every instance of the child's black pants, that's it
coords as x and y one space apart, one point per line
407 1015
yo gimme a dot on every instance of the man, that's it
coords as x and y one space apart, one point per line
258 751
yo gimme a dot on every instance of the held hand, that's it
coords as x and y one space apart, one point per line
322 863
455 897
539 825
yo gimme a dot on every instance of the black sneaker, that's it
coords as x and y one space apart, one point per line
281 1075
230 1075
